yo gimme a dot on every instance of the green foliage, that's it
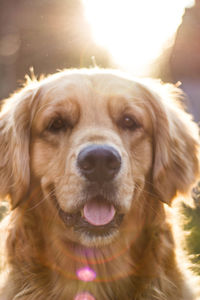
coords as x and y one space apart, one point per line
3 210
192 227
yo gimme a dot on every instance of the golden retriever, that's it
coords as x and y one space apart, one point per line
91 161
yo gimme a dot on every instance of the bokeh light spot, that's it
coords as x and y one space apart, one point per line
86 274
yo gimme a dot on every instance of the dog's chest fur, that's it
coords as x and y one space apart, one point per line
116 276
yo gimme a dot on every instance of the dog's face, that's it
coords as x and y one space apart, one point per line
98 143
92 148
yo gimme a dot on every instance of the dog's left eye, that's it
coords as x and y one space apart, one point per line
128 122
57 125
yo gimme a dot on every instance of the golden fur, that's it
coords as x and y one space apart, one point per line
159 151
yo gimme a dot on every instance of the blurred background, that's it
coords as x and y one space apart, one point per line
146 38
156 38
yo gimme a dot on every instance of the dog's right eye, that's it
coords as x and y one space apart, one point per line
58 125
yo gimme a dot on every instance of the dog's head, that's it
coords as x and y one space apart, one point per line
96 144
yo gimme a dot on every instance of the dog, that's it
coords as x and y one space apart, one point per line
91 161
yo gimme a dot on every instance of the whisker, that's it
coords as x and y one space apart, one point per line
41 201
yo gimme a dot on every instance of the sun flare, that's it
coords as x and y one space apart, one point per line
134 31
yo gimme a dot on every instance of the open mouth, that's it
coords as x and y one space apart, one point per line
98 216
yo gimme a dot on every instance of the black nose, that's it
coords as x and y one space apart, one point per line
99 163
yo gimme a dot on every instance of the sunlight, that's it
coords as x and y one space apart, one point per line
134 31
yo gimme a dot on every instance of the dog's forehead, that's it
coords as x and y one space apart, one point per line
90 88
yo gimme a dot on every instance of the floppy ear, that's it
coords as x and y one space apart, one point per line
176 144
14 146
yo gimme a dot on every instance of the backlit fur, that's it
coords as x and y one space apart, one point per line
160 160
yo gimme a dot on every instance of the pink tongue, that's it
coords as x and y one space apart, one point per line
98 212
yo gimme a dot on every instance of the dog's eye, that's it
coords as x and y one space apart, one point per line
128 122
57 125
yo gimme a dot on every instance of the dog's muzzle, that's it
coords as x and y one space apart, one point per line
99 213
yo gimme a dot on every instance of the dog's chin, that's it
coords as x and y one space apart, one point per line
88 240
96 223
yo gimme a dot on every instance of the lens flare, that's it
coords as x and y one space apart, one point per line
86 274
84 296
135 32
